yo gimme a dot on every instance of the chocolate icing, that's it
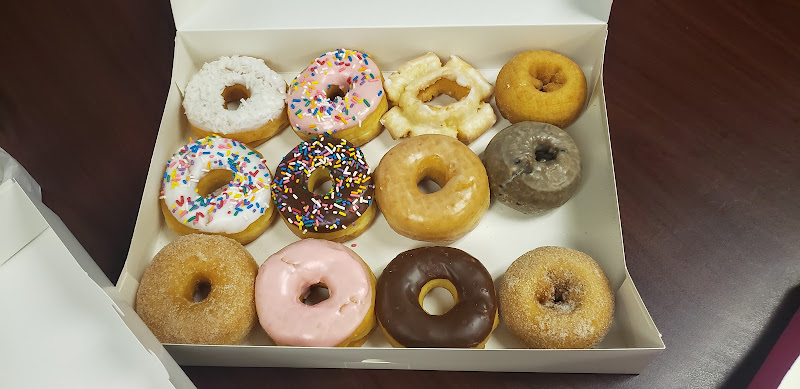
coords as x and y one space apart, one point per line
350 196
467 324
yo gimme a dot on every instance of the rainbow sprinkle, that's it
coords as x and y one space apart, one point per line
217 212
349 197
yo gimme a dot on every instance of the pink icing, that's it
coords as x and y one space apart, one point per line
310 109
288 274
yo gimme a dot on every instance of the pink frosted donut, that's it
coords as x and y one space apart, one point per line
339 94
285 279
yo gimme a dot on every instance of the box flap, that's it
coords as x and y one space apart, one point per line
56 317
21 224
193 15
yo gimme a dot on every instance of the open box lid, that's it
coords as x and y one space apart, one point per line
59 315
198 15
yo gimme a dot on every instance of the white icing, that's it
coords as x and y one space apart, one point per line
231 210
205 106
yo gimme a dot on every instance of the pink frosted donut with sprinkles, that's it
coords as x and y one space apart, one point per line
218 186
341 214
340 94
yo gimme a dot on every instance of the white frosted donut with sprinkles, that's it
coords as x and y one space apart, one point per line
339 94
238 97
220 186
341 214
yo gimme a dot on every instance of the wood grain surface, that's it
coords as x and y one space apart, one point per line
704 109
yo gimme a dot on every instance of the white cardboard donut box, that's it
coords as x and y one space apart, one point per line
288 36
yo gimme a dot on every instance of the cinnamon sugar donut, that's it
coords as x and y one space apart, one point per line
165 299
555 297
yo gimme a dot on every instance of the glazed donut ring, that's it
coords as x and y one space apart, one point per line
339 215
165 298
532 167
341 95
411 275
249 81
555 297
422 79
541 86
442 216
242 210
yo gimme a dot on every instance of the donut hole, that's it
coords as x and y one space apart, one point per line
428 186
201 290
320 182
562 296
431 178
547 78
438 297
233 95
337 91
315 294
442 92
545 153
214 182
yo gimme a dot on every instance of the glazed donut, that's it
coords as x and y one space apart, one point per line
259 91
541 86
165 299
532 167
424 78
555 297
189 199
339 215
339 94
284 280
441 216
411 275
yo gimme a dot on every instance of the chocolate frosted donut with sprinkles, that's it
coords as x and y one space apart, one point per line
338 215
217 186
340 94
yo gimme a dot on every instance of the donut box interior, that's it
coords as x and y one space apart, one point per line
288 36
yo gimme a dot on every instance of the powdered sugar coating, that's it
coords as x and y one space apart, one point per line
205 105
555 297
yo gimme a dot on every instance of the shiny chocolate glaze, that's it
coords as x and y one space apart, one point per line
397 305
350 196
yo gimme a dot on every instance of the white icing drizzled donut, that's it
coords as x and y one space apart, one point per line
206 107
240 203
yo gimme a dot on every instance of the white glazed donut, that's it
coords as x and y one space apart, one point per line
241 211
259 91
424 78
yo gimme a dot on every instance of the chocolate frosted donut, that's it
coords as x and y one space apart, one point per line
411 275
532 167
339 215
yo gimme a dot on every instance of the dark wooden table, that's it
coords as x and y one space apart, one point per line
704 108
